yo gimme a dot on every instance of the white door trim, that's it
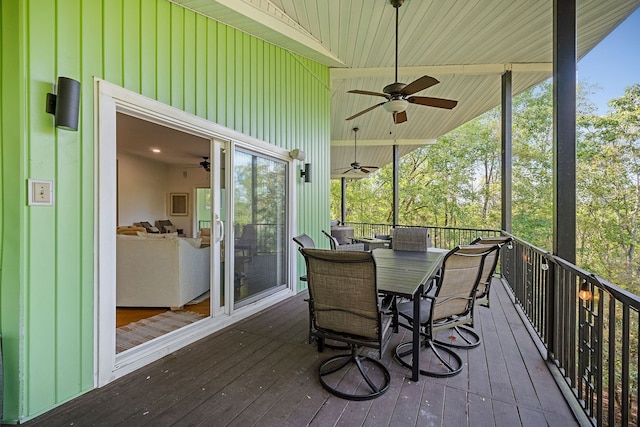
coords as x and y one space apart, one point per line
110 99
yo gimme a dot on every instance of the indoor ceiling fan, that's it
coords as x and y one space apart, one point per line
355 166
398 95
205 163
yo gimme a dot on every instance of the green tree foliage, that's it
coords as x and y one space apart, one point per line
609 191
456 182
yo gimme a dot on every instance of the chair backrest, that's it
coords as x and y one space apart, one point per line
458 280
343 292
333 242
304 241
335 245
410 239
491 262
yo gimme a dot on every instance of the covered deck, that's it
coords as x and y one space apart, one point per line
262 371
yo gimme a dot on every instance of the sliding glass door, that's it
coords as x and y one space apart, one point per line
259 225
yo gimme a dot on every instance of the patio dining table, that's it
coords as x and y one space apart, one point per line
405 274
371 243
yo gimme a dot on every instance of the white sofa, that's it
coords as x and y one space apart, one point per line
159 271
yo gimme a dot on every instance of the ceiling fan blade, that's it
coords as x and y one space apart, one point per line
366 92
433 102
370 167
418 85
364 170
400 117
365 111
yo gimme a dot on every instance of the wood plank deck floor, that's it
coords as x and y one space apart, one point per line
263 372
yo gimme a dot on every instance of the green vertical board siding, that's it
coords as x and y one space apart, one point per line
131 46
201 79
164 52
67 285
39 325
92 62
12 191
148 55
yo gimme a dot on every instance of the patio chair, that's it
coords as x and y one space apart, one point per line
336 246
344 299
490 264
304 241
449 305
247 243
411 239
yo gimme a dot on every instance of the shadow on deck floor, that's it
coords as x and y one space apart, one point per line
263 372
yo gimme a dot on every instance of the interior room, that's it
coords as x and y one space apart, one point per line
163 205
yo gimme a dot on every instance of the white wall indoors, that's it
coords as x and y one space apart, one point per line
144 186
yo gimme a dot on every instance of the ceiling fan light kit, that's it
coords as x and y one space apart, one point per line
396 105
399 95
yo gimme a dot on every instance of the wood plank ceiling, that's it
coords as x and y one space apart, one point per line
466 44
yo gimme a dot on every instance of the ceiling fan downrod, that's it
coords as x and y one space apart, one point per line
396 4
355 145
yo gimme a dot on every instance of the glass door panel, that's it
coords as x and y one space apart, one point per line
260 216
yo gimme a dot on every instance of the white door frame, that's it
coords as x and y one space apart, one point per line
110 99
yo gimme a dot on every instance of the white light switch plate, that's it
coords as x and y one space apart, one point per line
40 192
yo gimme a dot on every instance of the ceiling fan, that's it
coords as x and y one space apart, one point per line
205 163
355 166
398 95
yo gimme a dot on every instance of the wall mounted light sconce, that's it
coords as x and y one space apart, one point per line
65 105
306 172
297 154
585 293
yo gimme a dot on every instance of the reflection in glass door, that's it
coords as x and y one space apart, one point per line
259 194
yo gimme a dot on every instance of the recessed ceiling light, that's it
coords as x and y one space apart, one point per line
155 150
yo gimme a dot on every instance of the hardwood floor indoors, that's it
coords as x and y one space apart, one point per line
126 315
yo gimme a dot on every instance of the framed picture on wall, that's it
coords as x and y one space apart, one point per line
178 204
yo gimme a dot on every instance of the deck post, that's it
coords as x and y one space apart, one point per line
564 151
506 152
343 200
396 168
564 129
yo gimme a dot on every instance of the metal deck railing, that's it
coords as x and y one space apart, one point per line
588 326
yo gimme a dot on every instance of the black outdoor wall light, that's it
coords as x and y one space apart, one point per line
65 105
306 172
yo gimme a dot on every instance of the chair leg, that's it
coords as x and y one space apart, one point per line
464 338
365 365
403 353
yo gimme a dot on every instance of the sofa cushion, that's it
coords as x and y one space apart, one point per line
196 242
158 236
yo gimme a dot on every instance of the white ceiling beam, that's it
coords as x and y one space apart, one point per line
469 69
381 142
271 24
